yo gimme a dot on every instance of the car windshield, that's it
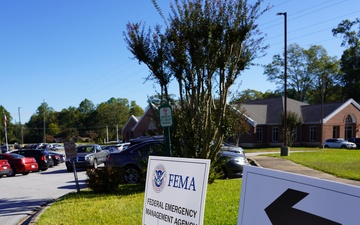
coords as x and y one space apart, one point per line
17 156
86 149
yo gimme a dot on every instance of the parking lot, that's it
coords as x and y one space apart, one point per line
22 195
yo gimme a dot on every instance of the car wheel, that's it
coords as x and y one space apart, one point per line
343 146
225 173
11 173
132 175
69 169
326 146
95 166
26 173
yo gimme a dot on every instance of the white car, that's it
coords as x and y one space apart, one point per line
338 143
119 147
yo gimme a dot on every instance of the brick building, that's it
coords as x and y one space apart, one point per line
331 120
146 125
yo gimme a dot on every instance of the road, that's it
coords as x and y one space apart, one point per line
22 195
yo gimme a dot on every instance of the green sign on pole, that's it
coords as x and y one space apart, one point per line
166 121
165 113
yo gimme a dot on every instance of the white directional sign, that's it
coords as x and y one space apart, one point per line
270 197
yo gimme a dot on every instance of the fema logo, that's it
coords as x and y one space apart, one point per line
159 178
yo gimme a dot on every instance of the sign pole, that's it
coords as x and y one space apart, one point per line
166 121
70 151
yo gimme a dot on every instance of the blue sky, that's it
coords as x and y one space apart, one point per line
63 52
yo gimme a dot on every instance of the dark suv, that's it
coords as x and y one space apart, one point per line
42 157
134 159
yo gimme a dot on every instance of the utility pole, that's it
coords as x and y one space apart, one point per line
21 127
285 148
44 120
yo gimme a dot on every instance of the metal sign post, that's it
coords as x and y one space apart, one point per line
166 121
70 152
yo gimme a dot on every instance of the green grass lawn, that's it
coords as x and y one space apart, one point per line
222 200
339 162
125 207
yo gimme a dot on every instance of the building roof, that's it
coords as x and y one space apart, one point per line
268 111
131 118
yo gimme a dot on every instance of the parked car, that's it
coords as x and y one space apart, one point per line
42 157
5 148
20 164
233 148
55 157
356 141
234 160
61 156
140 139
4 167
118 147
338 143
133 159
87 156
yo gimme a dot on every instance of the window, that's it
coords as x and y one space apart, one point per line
348 131
348 119
294 135
275 133
259 134
312 133
336 131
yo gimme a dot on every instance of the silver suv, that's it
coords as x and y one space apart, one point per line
87 156
338 143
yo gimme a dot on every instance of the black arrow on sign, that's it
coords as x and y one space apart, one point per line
281 211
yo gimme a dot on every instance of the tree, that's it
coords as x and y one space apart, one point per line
293 121
204 47
112 114
135 109
39 121
309 73
250 94
350 60
325 73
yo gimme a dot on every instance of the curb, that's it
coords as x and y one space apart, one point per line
35 215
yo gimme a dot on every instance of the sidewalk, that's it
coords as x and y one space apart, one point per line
291 167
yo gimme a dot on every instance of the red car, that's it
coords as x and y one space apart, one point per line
4 167
20 164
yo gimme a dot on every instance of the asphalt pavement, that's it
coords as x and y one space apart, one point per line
285 165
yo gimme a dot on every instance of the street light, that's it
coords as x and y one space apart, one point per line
285 148
21 127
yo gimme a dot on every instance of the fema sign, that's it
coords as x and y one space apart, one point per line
175 191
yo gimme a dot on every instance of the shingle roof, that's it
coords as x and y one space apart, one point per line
268 111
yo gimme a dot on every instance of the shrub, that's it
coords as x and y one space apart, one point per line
104 179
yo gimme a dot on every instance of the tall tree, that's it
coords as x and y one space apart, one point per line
250 94
204 47
112 114
310 71
298 80
350 60
135 109
39 121
325 73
